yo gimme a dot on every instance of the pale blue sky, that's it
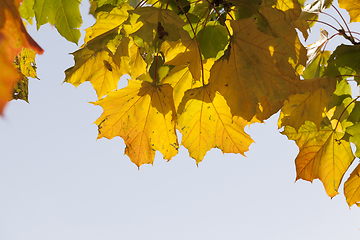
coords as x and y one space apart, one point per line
57 182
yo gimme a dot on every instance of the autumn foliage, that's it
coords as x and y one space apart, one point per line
206 69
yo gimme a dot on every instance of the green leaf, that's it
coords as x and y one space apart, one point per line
213 39
317 67
345 60
26 10
64 14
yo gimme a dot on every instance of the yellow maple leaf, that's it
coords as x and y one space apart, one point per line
13 38
353 7
291 8
153 24
184 52
309 105
108 21
288 40
352 188
143 115
128 57
323 154
205 121
181 79
96 66
248 75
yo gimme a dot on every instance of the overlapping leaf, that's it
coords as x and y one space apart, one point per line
323 154
248 75
183 52
95 64
205 122
309 105
143 114
345 60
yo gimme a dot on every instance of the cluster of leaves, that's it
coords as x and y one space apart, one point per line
208 68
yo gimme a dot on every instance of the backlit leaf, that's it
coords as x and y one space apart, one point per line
108 21
94 63
63 14
180 78
352 188
183 52
205 121
323 154
248 75
310 105
143 115
318 65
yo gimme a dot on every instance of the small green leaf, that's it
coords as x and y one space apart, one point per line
213 40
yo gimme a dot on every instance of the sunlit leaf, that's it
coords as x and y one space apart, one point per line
107 21
310 105
323 154
352 188
180 78
143 115
205 121
184 52
248 74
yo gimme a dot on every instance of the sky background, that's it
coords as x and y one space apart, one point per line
58 182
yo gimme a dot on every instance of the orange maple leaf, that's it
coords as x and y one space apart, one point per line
13 38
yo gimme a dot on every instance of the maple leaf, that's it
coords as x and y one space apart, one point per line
318 65
152 24
13 38
213 39
183 52
108 21
352 188
181 79
309 105
63 14
323 154
353 7
345 60
94 63
143 114
248 76
205 121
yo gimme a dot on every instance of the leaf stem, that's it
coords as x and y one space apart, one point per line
324 23
354 100
197 43
222 20
347 26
